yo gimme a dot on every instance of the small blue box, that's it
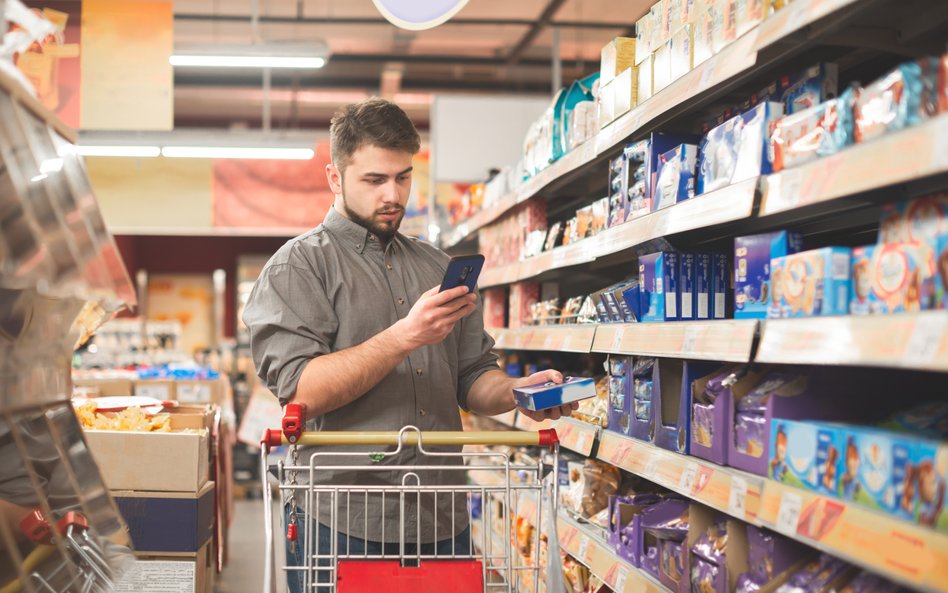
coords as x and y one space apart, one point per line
930 463
752 257
721 276
620 394
618 295
808 88
632 295
687 282
810 284
612 305
676 176
168 521
875 469
704 298
738 149
549 395
658 275
804 454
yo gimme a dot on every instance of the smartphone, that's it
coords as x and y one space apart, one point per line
462 270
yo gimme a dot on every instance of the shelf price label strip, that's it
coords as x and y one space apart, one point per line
577 435
724 340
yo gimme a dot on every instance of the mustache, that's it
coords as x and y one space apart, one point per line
390 211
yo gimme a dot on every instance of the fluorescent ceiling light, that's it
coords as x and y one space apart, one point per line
247 61
119 150
231 152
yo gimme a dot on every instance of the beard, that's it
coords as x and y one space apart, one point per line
383 229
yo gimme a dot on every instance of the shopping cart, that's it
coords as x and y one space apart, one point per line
502 491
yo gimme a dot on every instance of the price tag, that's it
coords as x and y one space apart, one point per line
583 548
651 467
691 339
687 481
925 342
622 451
567 341
707 74
582 441
736 504
620 579
789 514
548 342
617 341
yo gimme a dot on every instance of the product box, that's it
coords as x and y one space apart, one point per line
632 297
643 38
607 104
672 401
602 311
891 103
712 409
930 468
162 389
808 88
662 67
676 176
721 278
548 395
687 286
625 524
658 276
768 557
811 133
750 13
168 521
893 278
704 298
682 51
752 257
523 295
703 34
642 408
200 391
875 468
941 272
139 460
615 305
495 306
804 454
922 219
104 387
810 284
152 573
646 80
738 149
620 394
724 30
717 551
652 150
626 91
618 189
665 528
616 56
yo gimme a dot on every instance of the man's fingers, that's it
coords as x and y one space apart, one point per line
440 298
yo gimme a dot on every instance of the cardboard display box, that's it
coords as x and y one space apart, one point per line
170 573
168 521
152 461
104 387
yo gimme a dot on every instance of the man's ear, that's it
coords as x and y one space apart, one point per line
334 176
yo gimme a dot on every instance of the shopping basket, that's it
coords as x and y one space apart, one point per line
501 498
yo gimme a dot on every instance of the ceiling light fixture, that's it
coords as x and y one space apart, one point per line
310 55
119 150
230 152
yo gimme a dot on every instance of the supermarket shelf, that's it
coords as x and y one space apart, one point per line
903 156
794 17
588 548
917 556
507 419
524 422
577 435
560 338
914 341
729 340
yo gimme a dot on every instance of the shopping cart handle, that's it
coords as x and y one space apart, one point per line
294 415
409 438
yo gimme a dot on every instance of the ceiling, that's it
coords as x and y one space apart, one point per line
490 46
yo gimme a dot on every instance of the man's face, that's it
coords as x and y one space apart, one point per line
374 189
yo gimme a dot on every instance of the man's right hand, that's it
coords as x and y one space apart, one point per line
434 315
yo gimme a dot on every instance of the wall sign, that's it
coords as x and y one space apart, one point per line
417 16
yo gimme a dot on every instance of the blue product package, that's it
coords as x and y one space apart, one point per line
738 149
805 454
658 275
875 469
702 286
548 395
893 102
808 88
618 295
930 466
659 144
686 286
618 189
602 310
941 272
894 278
632 295
612 307
810 284
721 275
676 176
620 403
752 256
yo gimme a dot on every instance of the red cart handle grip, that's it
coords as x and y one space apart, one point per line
293 419
549 438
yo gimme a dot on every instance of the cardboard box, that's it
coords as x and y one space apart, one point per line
810 284
625 524
675 181
658 275
642 405
687 285
607 104
682 51
673 401
626 91
163 389
151 461
620 394
930 463
645 79
752 257
805 454
168 521
616 56
662 67
712 409
200 392
721 281
161 573
105 387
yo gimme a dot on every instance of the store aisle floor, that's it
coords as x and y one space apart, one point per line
244 570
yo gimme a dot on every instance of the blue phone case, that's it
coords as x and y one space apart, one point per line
464 270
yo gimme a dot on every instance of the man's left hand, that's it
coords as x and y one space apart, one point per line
550 413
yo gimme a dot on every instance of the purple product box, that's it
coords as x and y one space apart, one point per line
687 289
620 394
708 560
770 554
704 298
673 567
672 401
658 275
664 531
642 411
710 411
625 524
721 275
752 257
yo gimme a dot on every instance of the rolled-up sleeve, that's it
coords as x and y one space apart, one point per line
291 322
475 353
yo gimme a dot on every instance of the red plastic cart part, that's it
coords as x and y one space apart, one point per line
72 519
365 576
36 529
294 416
548 438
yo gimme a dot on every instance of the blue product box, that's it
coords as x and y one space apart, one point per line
805 454
618 190
620 394
808 88
687 270
548 395
922 219
642 404
738 149
930 469
721 276
632 295
752 256
658 275
618 295
875 469
894 278
941 272
810 284
602 310
676 176
168 521
659 144
702 286
612 306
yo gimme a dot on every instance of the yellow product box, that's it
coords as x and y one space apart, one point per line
616 57
645 80
607 104
163 389
682 52
160 461
180 572
661 68
625 90
104 387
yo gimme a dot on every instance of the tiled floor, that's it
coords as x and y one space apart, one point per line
244 570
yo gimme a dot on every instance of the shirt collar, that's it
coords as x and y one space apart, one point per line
357 236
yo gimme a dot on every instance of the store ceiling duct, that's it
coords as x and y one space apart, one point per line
309 55
209 144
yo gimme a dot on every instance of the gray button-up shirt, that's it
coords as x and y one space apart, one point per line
334 288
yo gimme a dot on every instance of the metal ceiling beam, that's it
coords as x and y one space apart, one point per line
369 21
530 36
367 83
447 60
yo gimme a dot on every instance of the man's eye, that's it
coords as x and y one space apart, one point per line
404 178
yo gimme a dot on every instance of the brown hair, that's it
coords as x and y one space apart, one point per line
373 121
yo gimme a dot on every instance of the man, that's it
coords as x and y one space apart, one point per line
347 320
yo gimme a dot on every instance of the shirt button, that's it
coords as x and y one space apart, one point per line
371 237
389 266
401 301
418 372
359 246
423 411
